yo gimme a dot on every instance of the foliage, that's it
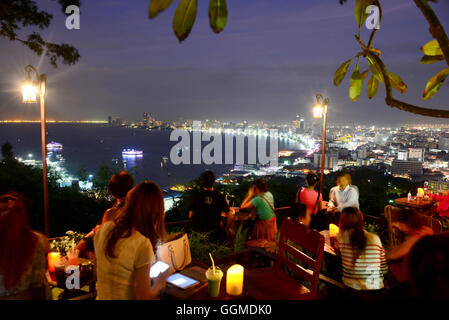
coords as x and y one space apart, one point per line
200 247
82 174
434 51
240 238
66 242
18 14
7 151
69 208
180 209
185 15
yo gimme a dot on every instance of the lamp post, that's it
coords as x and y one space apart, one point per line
30 90
320 111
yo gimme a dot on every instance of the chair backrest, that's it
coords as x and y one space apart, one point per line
293 236
391 214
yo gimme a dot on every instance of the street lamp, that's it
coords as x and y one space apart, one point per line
320 111
31 89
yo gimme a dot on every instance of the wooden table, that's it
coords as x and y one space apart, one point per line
415 203
201 291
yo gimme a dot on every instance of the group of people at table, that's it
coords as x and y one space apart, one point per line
125 239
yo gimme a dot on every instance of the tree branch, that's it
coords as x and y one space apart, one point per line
394 103
436 29
373 33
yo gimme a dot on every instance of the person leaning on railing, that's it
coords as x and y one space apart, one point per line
23 252
118 186
207 208
262 201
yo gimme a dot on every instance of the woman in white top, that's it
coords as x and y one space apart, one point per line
362 254
124 247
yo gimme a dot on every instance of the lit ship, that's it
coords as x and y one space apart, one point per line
54 146
132 153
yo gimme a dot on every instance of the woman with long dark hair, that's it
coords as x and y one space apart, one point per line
124 247
362 254
22 252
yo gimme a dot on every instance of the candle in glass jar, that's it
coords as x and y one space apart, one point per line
333 230
234 280
53 259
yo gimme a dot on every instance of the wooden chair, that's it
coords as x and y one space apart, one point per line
391 214
274 281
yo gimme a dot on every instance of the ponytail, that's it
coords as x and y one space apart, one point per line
358 242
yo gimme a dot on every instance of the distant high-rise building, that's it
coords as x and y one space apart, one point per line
330 161
416 154
411 168
299 125
110 120
302 126
443 143
145 118
403 155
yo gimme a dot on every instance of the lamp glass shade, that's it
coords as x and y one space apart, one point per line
29 92
318 111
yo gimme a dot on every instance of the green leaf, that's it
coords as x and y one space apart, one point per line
397 83
364 75
372 87
218 15
430 59
341 72
157 6
184 18
434 84
432 48
356 85
375 69
360 11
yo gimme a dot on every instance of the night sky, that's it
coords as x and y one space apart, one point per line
268 63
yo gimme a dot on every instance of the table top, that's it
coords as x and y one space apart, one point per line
327 243
414 203
201 291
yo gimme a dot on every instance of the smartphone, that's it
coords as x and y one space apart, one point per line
181 281
158 268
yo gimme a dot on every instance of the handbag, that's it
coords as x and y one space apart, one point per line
176 252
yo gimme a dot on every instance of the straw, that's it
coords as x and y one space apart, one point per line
213 263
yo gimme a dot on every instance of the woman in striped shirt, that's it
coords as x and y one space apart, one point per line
362 254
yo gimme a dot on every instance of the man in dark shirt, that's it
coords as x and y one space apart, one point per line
207 207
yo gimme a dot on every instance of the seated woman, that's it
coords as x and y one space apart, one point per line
411 226
124 247
261 200
300 212
362 254
23 252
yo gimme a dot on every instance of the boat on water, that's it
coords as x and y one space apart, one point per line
132 153
54 146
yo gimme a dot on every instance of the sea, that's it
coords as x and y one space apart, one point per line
89 146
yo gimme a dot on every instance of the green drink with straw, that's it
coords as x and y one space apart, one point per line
214 276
